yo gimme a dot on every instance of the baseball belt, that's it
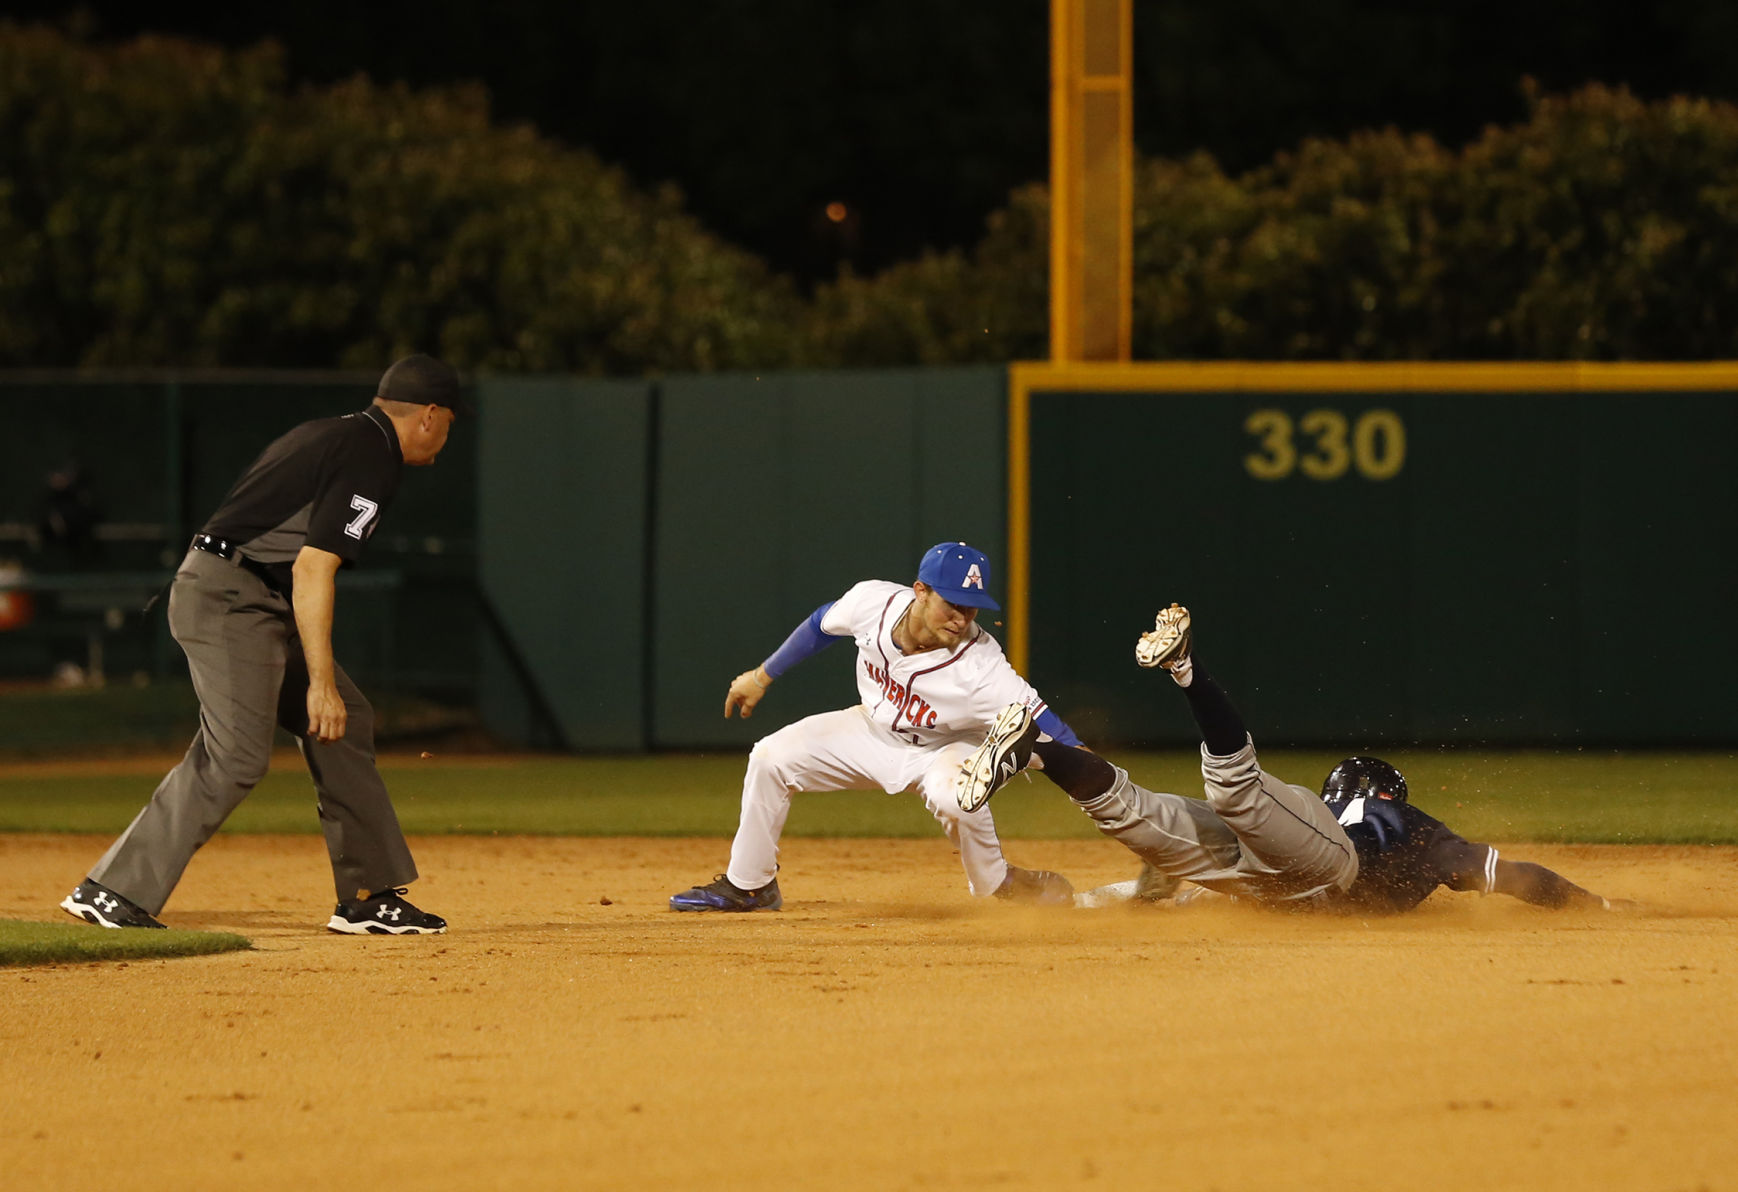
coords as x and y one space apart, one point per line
223 548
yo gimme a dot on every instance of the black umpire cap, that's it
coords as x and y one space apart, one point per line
424 381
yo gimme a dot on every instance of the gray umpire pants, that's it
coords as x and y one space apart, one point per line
246 660
1255 836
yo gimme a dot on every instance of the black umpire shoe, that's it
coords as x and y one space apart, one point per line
384 913
102 906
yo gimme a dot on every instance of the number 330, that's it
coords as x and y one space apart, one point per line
1375 443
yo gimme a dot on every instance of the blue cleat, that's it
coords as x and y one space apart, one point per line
720 895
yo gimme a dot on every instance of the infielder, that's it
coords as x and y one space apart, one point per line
1359 846
251 606
930 680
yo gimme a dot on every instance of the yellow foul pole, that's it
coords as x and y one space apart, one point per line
1091 179
1091 240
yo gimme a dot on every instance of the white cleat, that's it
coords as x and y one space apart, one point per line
1005 751
1168 643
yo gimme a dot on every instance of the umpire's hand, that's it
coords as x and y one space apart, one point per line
326 714
315 572
745 692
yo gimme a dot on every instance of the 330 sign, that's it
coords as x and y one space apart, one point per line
1325 445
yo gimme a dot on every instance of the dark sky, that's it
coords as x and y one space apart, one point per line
921 115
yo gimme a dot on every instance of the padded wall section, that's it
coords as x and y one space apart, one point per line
775 494
1369 567
562 532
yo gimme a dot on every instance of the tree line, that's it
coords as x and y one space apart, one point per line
165 202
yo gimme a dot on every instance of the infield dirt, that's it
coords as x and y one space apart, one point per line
883 1031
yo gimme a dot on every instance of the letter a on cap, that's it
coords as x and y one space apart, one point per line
974 578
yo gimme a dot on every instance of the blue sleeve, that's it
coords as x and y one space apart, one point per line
1058 731
805 641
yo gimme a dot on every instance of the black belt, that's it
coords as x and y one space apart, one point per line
223 548
211 544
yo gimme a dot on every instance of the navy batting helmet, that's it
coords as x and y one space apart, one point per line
1368 777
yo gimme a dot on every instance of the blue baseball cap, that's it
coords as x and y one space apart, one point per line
960 573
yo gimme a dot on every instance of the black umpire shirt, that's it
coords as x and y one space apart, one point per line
325 484
1427 855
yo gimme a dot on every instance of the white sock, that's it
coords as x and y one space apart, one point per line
1183 673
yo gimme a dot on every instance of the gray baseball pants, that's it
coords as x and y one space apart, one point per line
1255 836
246 661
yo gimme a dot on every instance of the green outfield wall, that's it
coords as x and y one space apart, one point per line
562 564
1375 554
1419 553
160 450
682 528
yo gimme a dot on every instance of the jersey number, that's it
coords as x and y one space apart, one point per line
358 526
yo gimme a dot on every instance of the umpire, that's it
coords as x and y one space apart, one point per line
251 606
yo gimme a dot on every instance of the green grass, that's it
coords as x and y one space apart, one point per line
1568 796
54 943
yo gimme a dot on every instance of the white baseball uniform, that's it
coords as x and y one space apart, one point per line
921 715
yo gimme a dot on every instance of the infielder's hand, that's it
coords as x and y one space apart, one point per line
745 692
326 714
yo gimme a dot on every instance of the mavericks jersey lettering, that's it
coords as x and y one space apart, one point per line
932 697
